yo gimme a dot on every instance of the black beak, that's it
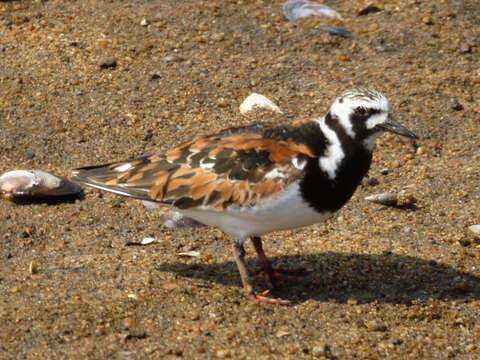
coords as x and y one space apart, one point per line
394 126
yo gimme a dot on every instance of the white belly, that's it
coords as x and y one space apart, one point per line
286 210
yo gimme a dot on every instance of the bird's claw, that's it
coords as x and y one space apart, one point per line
265 298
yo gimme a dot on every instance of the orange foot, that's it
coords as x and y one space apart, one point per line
291 275
265 298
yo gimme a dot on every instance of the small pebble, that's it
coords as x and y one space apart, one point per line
154 76
129 323
144 22
221 102
371 182
223 354
29 155
124 353
318 350
173 58
465 242
135 335
352 301
281 333
170 286
427 20
369 10
107 63
24 234
343 57
218 37
456 105
375 325
465 48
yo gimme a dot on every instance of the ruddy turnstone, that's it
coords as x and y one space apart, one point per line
255 179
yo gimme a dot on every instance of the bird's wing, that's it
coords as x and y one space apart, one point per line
236 166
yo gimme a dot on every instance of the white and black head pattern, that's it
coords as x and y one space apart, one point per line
349 130
363 114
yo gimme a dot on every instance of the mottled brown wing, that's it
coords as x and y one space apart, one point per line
239 166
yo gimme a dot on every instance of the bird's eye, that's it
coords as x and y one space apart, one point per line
361 110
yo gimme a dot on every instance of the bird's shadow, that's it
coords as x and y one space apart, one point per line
48 200
342 278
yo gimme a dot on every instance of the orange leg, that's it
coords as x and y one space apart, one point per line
269 272
239 253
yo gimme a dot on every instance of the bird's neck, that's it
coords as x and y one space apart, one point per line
332 178
345 134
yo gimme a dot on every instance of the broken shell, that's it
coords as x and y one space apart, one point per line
297 9
406 198
189 253
255 102
403 198
384 199
35 183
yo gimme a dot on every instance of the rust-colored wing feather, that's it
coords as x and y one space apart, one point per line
240 166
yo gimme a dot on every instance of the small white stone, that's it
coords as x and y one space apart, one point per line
282 333
147 240
144 22
475 229
256 102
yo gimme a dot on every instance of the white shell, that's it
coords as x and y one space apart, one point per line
147 240
31 183
256 101
189 253
402 199
297 9
384 199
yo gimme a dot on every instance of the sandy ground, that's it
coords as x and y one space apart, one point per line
87 82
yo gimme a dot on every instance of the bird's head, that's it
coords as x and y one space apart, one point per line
364 114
